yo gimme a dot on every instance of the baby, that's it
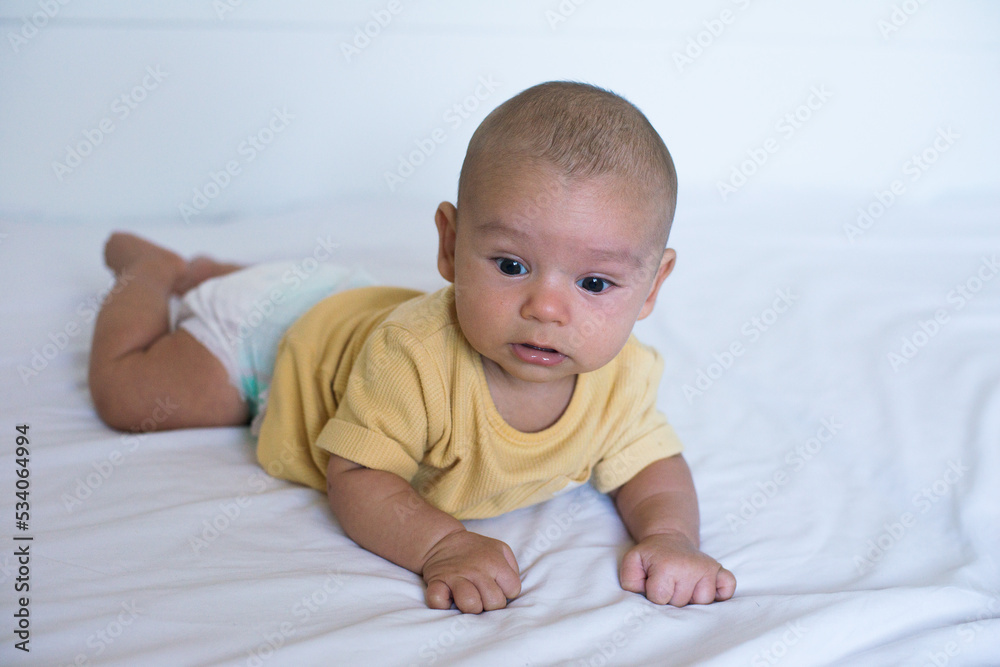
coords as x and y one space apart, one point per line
518 381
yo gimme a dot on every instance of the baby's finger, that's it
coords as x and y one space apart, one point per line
725 585
510 583
438 595
491 595
662 586
632 574
704 590
683 592
508 555
466 596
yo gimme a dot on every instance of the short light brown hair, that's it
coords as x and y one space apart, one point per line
584 132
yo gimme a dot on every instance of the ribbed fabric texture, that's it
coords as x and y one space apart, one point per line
411 398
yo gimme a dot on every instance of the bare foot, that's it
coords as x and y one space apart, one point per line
124 250
200 269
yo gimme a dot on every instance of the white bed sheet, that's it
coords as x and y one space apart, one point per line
813 529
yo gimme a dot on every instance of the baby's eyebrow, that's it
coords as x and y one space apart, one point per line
500 228
622 255
617 255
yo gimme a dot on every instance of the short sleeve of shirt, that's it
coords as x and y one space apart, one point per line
646 436
385 418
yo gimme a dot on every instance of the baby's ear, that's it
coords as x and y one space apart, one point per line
445 218
662 271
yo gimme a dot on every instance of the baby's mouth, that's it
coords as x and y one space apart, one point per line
537 354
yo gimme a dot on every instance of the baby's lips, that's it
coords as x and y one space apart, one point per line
542 348
537 354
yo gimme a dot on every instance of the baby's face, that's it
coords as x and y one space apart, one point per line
550 276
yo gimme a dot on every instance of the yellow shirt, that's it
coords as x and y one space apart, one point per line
384 377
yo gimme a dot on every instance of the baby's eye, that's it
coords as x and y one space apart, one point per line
592 284
511 267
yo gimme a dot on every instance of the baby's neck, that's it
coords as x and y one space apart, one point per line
529 406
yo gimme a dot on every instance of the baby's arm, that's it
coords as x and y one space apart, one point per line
660 509
384 514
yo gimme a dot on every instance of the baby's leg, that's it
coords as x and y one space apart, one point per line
143 374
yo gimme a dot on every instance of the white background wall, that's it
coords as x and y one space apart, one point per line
225 72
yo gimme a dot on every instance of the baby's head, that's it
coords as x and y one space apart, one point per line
557 245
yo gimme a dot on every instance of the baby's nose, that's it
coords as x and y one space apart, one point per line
546 301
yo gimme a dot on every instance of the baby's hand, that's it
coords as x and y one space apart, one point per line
477 572
668 569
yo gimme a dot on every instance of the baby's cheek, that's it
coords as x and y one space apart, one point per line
595 349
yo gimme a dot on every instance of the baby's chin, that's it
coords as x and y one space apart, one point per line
523 372
570 367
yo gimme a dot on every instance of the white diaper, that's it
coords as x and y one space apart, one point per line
240 317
